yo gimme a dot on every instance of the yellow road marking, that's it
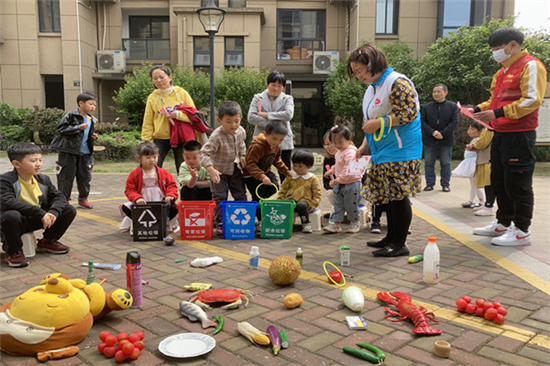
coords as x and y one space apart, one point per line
496 258
450 315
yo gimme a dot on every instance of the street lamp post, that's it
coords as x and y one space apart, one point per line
211 17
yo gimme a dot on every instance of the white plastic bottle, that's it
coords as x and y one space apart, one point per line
431 262
254 257
300 256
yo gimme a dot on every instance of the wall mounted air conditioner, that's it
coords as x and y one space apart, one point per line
325 62
111 62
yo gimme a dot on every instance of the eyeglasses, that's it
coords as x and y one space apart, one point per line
359 72
328 145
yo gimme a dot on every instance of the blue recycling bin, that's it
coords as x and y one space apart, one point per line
238 219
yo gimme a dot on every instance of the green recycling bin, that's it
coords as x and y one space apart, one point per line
277 218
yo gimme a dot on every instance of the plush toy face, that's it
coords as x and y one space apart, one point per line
55 304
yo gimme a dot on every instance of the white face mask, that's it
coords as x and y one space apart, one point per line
500 56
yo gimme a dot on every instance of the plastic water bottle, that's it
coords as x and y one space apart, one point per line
133 277
299 256
431 262
254 257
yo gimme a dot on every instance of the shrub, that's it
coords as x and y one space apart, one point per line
118 145
48 120
10 115
11 134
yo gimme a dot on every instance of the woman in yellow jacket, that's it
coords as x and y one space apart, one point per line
156 127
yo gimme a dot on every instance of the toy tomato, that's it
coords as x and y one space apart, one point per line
502 310
480 303
461 305
336 276
491 313
470 308
468 299
499 319
480 312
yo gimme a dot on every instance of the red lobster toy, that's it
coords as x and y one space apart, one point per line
408 310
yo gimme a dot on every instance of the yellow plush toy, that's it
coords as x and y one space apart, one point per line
50 318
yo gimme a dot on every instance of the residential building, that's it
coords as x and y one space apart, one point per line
50 50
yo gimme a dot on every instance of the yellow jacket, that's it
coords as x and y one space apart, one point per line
302 188
156 125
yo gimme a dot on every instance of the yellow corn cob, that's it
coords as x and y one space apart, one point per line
252 334
196 286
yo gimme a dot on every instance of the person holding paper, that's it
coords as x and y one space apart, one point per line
392 132
517 92
275 106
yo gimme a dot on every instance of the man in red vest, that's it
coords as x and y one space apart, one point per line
517 92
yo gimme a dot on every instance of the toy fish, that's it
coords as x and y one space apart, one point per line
197 286
194 313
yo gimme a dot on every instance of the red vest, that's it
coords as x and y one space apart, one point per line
507 90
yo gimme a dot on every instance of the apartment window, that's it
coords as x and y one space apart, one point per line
48 15
299 33
149 38
234 51
149 27
204 2
237 4
201 55
454 14
387 15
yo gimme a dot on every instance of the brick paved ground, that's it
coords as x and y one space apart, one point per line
316 330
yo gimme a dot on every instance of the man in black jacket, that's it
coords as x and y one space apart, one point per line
439 120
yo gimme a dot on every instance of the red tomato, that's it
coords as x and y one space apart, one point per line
140 345
120 356
109 351
122 343
488 305
496 304
480 303
491 313
499 319
502 310
122 336
128 348
104 335
480 312
101 347
461 305
470 308
110 340
135 353
468 299
336 276
134 338
141 334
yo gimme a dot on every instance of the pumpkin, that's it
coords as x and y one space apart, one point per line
284 270
293 300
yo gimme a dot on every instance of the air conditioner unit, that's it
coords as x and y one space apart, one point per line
325 62
109 62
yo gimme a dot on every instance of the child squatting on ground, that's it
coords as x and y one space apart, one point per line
29 202
193 178
75 143
346 185
264 152
302 187
150 183
223 156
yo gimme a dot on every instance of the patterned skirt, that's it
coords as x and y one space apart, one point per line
392 181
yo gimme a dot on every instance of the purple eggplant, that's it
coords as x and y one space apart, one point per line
273 334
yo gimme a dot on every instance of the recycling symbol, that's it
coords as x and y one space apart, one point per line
147 218
240 217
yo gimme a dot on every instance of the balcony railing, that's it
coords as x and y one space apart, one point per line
146 48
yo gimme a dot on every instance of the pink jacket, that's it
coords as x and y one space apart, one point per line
134 184
339 169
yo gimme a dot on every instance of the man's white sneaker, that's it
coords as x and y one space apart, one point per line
495 229
513 237
333 227
354 227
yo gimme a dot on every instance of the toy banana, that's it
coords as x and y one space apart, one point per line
196 286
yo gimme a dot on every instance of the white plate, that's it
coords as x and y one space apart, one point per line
187 345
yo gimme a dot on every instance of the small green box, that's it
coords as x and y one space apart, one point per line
277 218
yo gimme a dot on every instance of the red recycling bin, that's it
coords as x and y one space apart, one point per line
196 218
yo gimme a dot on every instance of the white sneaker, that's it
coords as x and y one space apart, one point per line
174 225
513 237
481 205
495 229
333 227
306 228
354 227
484 211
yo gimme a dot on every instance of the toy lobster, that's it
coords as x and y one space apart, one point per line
408 310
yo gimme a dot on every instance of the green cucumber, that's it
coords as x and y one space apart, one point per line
416 258
379 353
361 354
284 339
